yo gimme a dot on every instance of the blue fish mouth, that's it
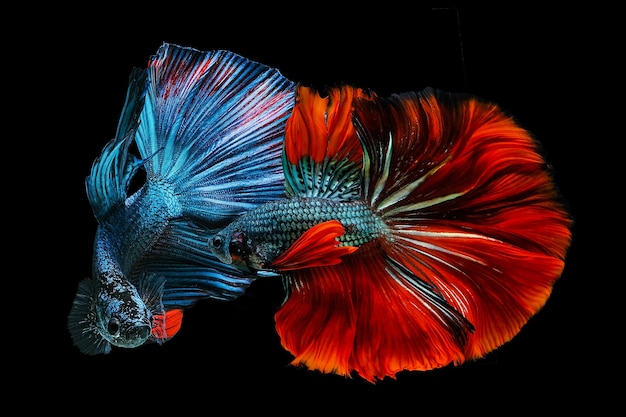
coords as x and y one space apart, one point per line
138 335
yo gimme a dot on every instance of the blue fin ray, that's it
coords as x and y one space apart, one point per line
112 172
190 271
214 122
81 322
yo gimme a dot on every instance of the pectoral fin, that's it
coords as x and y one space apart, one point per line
318 246
165 326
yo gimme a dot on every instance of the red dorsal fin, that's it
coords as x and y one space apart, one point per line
318 246
165 326
321 126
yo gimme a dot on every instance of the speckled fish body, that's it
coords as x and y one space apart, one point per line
204 129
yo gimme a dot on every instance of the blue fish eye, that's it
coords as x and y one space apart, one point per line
113 327
217 242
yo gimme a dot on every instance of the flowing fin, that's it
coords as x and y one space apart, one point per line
190 270
112 172
150 288
318 246
165 326
366 316
212 127
473 211
81 322
322 154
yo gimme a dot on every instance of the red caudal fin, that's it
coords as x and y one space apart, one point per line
474 211
476 236
318 246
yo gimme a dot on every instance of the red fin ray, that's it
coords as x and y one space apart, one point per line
318 246
321 127
497 286
401 327
165 326
362 316
317 322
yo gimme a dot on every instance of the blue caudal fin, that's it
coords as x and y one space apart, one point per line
112 172
212 129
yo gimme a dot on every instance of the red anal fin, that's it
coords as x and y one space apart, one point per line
317 323
362 316
318 246
165 326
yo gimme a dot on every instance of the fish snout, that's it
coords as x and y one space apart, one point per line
137 335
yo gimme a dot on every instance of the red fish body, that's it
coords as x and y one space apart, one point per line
420 230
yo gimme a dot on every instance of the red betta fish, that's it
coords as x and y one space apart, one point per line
420 230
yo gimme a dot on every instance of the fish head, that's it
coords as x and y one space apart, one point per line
232 247
220 247
246 252
108 311
122 317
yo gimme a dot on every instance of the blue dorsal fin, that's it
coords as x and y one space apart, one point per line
322 155
112 172
212 128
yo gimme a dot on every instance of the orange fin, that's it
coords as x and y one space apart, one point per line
165 326
498 286
474 211
321 126
362 316
318 246
317 322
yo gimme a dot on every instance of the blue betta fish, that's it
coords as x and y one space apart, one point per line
419 230
206 129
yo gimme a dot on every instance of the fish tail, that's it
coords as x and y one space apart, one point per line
476 234
212 129
471 206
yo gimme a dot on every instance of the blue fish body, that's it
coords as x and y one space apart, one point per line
207 129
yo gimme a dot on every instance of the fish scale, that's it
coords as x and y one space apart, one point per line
283 222
142 221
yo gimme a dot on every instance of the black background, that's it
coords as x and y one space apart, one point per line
533 62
